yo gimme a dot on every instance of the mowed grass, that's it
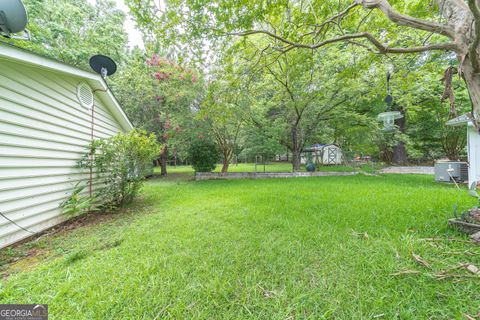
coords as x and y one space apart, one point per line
302 248
269 167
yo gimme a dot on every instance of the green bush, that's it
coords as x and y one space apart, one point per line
120 164
79 203
204 155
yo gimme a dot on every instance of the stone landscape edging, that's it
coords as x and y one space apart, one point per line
264 175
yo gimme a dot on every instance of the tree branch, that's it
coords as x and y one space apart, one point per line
472 49
408 21
381 47
338 16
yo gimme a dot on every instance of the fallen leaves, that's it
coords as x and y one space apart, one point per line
267 293
445 239
361 235
421 261
448 273
472 268
406 272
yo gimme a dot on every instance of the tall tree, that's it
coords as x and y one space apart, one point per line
296 94
379 26
223 111
73 31
162 99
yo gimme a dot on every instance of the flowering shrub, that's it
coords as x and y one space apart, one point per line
120 164
168 70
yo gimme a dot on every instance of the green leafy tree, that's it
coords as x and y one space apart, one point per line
378 26
296 96
162 99
74 30
223 109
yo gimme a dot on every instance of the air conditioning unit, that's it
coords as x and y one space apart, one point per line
445 171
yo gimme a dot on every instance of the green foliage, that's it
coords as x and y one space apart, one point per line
472 191
121 164
74 30
162 99
204 155
79 203
345 70
223 109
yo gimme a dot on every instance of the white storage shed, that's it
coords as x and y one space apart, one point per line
49 112
325 154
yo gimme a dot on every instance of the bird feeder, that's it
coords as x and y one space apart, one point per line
388 119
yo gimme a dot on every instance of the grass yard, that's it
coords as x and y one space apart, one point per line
317 248
269 167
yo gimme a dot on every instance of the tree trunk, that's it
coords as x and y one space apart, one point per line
227 157
225 165
296 160
163 162
472 80
399 156
296 150
386 155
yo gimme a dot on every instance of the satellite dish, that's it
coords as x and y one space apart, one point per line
13 17
103 65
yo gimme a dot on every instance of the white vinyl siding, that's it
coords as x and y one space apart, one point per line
43 132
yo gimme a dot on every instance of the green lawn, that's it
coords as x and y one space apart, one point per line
317 248
269 167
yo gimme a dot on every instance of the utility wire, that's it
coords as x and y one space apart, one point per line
1 214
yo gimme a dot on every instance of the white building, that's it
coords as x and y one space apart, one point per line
325 154
49 112
473 146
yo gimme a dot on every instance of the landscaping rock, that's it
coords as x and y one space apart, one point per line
475 237
466 227
474 215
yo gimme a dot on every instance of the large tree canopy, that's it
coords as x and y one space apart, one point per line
378 26
73 31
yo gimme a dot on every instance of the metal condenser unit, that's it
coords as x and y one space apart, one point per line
445 171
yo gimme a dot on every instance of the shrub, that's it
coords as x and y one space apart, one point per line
78 203
204 155
120 164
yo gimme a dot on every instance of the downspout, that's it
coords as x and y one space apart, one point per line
91 154
90 189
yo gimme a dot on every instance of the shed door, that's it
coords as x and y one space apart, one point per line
332 155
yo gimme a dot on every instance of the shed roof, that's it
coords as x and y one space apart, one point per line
319 146
19 55
460 120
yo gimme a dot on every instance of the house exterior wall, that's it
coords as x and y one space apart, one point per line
43 132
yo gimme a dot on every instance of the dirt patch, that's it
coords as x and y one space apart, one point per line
25 262
28 253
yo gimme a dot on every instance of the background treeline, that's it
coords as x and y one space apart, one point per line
251 100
